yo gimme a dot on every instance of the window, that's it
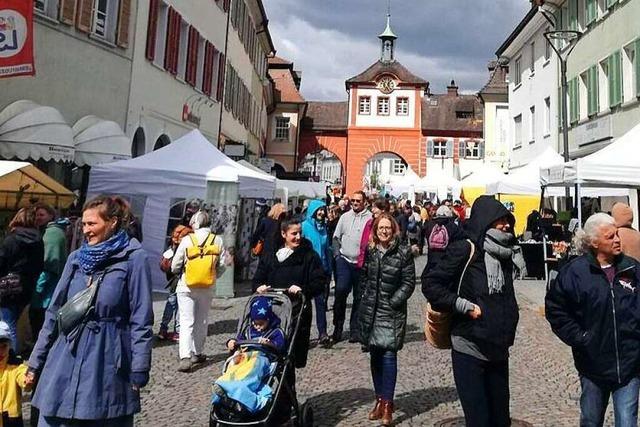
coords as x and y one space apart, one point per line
41 5
590 12
440 149
105 19
161 34
183 50
402 106
610 3
517 71
517 125
282 128
532 55
547 48
473 150
464 114
532 124
364 105
397 167
614 68
592 90
630 71
383 106
547 116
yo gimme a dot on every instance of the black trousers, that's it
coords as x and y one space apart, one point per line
483 388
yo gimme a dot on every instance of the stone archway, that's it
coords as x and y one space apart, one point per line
138 147
381 169
162 141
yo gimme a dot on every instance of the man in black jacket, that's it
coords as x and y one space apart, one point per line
594 307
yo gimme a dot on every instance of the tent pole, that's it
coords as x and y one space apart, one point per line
578 196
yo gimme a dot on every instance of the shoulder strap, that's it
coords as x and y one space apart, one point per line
206 239
192 237
471 253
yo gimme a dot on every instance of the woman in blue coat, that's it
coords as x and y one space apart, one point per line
96 375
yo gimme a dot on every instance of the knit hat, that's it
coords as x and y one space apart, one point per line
5 331
261 309
444 212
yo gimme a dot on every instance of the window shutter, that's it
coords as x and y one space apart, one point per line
152 27
591 11
173 42
430 148
481 149
221 74
462 148
207 65
637 66
615 80
611 3
168 40
592 77
176 42
573 15
449 149
67 11
192 57
124 14
84 15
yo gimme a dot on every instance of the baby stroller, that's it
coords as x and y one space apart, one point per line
228 412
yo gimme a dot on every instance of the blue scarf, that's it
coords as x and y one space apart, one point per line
91 258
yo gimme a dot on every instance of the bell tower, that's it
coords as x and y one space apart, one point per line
387 38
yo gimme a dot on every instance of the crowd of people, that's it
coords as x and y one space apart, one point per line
91 316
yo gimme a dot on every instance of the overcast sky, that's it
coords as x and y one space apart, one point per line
438 40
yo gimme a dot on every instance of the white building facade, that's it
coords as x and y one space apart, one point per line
533 90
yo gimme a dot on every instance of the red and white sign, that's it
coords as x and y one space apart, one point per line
16 38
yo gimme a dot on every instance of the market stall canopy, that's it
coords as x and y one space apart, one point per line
32 131
399 184
482 176
290 188
99 141
526 180
439 183
616 165
187 163
22 184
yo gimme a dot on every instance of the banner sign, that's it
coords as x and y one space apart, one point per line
16 38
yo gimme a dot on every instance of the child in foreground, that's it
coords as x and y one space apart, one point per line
264 327
13 379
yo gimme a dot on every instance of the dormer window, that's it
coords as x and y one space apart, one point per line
464 114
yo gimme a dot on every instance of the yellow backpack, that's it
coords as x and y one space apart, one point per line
200 269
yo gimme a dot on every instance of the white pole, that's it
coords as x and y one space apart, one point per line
579 202
633 203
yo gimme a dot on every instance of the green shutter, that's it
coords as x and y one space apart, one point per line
615 80
592 90
591 11
574 100
636 59
573 15
611 3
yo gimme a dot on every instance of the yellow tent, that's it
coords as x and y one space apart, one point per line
22 184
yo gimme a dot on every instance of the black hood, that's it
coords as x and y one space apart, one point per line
27 235
484 212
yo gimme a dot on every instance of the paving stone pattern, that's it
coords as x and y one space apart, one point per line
544 383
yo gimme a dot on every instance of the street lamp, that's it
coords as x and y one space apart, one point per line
570 38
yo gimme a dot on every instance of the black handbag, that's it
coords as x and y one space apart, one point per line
77 310
10 285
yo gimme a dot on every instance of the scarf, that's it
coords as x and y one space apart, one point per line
283 253
91 258
499 248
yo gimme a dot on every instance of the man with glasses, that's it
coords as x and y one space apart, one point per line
346 248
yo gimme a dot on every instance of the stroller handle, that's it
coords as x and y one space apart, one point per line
285 291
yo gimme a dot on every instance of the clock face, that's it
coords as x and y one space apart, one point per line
386 84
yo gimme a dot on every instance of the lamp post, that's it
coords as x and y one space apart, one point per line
570 37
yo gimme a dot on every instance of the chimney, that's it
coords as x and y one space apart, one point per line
452 89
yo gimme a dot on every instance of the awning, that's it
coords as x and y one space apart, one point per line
99 141
22 184
32 131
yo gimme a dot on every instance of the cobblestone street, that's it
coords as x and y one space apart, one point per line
544 384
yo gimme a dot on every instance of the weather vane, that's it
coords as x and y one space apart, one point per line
389 7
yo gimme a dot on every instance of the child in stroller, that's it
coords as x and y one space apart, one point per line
252 389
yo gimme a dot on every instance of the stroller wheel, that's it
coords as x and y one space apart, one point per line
307 415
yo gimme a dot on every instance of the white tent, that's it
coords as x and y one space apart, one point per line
286 188
399 184
526 180
99 141
439 183
482 176
178 171
32 131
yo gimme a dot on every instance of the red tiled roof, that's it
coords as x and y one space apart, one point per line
285 89
439 113
276 60
379 67
326 116
497 84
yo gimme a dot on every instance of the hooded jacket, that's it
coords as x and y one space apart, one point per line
629 237
387 281
598 319
453 230
494 332
55 256
302 268
22 252
317 234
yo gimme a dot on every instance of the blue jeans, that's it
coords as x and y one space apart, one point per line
347 279
384 371
321 314
11 315
170 313
594 400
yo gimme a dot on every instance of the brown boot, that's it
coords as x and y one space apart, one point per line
376 412
387 413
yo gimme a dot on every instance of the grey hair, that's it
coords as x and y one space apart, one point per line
200 220
585 236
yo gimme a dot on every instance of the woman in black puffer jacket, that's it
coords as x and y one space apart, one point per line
387 279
